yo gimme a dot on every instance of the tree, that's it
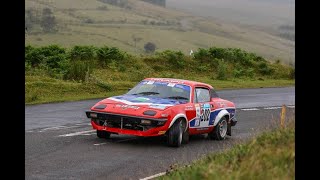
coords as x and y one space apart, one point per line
48 21
149 47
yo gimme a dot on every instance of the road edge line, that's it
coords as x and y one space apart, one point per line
153 176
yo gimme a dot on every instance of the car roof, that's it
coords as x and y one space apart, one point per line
179 81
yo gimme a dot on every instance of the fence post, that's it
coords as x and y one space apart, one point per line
283 115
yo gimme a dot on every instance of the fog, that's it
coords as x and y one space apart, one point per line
268 13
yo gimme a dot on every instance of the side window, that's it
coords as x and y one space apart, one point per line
214 94
201 95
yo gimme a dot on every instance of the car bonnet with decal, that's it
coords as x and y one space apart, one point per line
174 108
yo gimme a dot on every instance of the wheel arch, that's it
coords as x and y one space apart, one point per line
221 114
180 116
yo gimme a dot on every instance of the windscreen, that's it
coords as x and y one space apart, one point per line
160 89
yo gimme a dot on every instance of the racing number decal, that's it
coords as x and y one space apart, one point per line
198 114
202 115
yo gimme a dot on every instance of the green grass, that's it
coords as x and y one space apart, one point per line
178 31
271 155
43 89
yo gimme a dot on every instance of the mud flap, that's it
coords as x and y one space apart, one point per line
229 129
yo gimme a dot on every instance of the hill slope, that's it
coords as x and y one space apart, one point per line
132 23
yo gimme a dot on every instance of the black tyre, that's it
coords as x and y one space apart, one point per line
220 130
103 134
174 136
185 137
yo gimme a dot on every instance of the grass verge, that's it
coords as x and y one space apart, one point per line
43 89
270 155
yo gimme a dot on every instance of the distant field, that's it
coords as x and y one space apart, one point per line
265 13
91 22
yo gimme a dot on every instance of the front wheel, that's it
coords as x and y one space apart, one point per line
185 137
174 136
103 134
220 130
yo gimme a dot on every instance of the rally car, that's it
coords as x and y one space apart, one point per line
174 108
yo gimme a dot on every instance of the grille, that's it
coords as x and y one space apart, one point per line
122 122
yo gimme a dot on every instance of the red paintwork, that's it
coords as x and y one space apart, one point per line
170 111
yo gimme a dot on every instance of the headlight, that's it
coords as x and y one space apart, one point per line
150 113
145 122
93 115
101 106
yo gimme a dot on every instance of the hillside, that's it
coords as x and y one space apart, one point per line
131 24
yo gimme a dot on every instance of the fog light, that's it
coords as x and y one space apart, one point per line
160 123
93 115
164 115
145 121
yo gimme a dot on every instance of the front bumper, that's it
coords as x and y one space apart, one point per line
233 121
123 124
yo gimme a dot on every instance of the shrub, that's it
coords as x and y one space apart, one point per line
264 69
34 57
28 49
222 71
217 52
105 54
292 73
175 58
78 70
238 72
48 55
55 61
52 50
202 55
82 53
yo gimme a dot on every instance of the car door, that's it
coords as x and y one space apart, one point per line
203 107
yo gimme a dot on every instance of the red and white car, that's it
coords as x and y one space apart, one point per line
174 108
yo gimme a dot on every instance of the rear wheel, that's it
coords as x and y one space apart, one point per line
103 134
174 136
220 130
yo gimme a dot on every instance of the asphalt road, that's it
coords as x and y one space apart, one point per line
60 143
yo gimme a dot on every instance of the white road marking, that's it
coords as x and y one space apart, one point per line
250 109
53 128
77 133
62 127
98 144
88 134
272 108
154 176
80 124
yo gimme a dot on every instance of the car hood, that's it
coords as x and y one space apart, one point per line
145 102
